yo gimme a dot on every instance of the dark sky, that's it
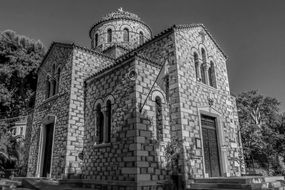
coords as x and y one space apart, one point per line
251 33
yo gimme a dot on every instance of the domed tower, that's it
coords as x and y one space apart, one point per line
119 28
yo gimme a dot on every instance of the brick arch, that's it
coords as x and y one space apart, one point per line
104 28
158 93
109 97
194 50
123 26
98 101
202 46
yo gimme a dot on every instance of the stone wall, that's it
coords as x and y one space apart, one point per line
57 106
116 160
67 107
117 26
194 101
84 64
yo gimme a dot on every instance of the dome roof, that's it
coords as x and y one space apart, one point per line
120 13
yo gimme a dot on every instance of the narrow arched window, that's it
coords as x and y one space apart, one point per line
53 69
196 61
126 35
203 77
203 55
47 88
58 79
212 75
141 37
109 121
96 40
109 35
158 114
99 124
53 87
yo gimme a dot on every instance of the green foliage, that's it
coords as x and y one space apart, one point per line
20 57
261 130
10 148
173 151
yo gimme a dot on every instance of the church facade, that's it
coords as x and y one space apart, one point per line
108 113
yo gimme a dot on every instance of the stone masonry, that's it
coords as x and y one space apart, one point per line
117 106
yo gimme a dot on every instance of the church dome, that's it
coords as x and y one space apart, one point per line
120 13
119 28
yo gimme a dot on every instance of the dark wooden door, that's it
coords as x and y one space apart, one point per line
48 149
210 145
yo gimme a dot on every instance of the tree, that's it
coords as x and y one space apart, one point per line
10 148
261 129
20 57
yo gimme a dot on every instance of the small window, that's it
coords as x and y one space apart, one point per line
141 38
203 77
21 130
58 79
109 35
158 113
212 77
126 35
99 124
203 71
196 61
53 87
96 40
203 55
53 68
47 87
109 121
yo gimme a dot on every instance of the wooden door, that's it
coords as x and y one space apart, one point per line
47 149
210 145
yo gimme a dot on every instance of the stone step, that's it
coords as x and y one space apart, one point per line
220 186
239 180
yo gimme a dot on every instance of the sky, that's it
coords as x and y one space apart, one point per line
250 32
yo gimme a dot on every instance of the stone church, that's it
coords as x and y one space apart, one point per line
106 113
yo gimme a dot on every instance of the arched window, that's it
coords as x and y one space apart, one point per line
58 79
212 77
96 40
141 37
126 35
53 87
158 114
203 77
53 69
196 61
109 35
99 124
203 55
109 121
47 88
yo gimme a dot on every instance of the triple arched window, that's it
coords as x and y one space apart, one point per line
109 35
126 35
104 122
205 72
52 82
